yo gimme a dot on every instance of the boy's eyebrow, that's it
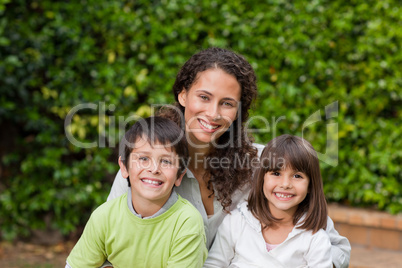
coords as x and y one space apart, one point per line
172 154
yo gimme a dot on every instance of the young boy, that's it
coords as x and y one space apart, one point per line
150 226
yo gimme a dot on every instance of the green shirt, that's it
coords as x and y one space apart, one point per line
174 239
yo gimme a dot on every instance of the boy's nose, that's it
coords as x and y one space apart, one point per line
154 168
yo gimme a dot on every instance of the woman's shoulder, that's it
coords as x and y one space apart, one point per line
259 148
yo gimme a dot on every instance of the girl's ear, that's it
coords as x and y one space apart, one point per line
124 171
182 97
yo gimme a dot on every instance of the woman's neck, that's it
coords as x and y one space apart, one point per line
197 163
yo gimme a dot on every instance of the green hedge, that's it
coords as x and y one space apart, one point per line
123 57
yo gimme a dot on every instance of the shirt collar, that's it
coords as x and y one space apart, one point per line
170 202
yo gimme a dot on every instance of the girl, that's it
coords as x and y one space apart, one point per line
213 91
282 224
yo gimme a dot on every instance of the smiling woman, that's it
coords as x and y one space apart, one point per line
211 106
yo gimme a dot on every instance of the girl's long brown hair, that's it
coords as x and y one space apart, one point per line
298 154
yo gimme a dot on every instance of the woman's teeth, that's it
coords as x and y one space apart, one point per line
208 126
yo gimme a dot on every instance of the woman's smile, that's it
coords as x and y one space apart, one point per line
211 105
208 126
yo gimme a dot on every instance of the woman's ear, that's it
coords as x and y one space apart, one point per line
182 97
124 171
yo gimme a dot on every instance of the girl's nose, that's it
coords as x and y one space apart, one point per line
286 183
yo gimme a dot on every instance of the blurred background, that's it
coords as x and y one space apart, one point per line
87 68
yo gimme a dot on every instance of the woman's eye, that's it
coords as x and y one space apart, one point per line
143 158
204 97
226 103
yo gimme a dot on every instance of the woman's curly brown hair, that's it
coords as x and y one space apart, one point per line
239 150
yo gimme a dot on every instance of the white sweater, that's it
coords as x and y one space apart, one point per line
239 243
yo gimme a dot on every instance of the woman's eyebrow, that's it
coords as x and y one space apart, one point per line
204 91
210 94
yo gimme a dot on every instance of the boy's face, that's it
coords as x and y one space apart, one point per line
153 172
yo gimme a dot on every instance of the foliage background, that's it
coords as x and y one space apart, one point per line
123 56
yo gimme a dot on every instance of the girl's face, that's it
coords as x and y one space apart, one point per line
285 190
211 105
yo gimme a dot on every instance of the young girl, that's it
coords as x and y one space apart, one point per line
282 224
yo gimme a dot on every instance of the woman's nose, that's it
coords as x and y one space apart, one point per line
213 112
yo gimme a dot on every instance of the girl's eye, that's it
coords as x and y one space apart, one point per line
298 176
203 97
276 173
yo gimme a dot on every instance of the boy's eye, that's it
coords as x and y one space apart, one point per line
166 162
143 158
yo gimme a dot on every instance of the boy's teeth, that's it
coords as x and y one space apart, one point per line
152 182
208 125
283 195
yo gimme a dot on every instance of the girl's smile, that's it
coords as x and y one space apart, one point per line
285 190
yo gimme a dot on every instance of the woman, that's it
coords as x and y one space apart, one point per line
213 91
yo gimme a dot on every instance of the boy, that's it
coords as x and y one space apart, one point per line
150 226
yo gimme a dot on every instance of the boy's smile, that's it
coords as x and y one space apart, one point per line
152 182
153 171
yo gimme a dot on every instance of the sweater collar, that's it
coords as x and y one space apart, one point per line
256 225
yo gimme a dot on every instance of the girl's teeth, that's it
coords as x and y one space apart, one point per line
152 182
208 126
283 195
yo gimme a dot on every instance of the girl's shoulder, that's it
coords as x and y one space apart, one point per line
243 214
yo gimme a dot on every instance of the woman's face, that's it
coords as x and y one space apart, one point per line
211 105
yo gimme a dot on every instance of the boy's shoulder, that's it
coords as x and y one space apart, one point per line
186 209
186 213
